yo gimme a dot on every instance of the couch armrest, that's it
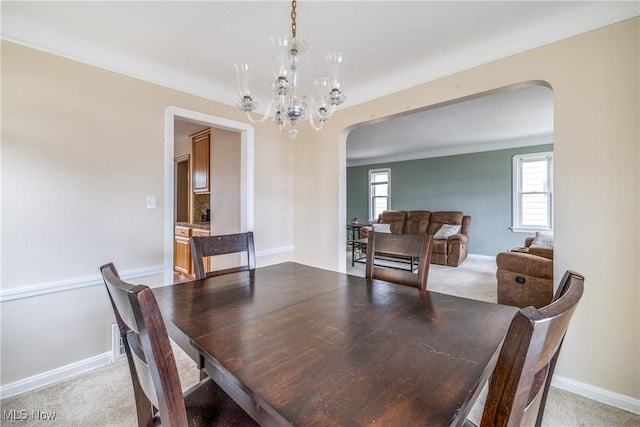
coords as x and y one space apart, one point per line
542 251
458 238
457 249
525 263
364 231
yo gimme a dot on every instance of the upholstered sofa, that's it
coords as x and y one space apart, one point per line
450 247
525 275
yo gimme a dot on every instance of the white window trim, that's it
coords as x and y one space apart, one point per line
516 226
370 198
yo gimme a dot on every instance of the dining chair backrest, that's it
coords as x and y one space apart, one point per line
154 373
206 246
563 287
519 385
400 246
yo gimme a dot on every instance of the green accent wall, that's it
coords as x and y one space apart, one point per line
478 184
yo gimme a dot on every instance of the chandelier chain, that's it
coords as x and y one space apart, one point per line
293 18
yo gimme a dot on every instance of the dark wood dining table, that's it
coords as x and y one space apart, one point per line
298 345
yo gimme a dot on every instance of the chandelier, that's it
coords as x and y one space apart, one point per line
286 107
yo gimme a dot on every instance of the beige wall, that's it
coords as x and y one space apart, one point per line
594 77
225 191
81 149
225 182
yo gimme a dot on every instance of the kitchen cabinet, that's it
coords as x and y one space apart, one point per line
183 261
201 147
182 250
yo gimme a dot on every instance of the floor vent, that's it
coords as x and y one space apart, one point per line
117 346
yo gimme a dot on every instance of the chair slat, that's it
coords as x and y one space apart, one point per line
206 246
407 246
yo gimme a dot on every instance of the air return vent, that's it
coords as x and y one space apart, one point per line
117 346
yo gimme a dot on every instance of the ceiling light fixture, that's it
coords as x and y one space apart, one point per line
286 107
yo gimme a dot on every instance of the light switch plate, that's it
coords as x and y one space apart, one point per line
152 201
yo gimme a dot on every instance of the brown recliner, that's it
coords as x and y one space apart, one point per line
525 275
454 249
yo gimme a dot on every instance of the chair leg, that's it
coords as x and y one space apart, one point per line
203 374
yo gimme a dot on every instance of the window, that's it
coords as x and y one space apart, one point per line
379 192
532 192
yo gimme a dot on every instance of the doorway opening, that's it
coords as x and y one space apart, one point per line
452 156
246 187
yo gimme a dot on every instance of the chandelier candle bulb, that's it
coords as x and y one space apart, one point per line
244 72
286 107
336 62
280 56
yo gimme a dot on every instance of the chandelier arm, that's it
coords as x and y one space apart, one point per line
311 104
312 123
313 113
264 118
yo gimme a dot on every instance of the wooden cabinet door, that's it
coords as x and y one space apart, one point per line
201 161
182 255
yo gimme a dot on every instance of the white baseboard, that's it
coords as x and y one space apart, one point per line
54 375
599 395
274 251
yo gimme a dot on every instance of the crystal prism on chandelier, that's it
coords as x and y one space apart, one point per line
286 107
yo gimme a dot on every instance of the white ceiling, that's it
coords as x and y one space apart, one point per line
513 117
391 45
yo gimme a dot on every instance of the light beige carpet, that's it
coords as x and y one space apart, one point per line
100 397
104 397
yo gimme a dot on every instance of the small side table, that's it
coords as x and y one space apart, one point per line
358 248
353 232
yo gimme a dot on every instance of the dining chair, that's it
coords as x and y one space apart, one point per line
207 246
521 379
402 247
154 374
